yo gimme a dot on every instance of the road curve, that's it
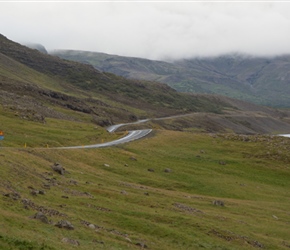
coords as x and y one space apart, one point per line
131 136
115 127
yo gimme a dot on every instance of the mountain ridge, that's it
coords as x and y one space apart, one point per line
82 87
261 80
39 86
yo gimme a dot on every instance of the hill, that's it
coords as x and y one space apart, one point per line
175 190
263 81
192 184
37 86
83 88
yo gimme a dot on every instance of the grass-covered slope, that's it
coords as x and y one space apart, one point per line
80 87
256 79
171 190
159 193
37 86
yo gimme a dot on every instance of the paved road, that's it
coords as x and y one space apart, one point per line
115 127
131 136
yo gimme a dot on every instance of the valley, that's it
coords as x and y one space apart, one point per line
212 174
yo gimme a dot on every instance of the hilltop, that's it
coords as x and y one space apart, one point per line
260 80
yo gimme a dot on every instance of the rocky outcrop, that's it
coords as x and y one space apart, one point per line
64 224
58 168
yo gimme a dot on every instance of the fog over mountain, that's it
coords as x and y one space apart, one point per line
153 30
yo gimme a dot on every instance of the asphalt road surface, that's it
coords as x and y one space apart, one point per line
131 136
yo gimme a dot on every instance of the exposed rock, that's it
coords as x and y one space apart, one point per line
64 224
86 223
73 182
230 236
187 208
167 170
133 158
46 186
70 241
14 195
124 192
222 163
286 244
41 216
77 193
92 226
141 244
58 168
218 203
34 192
102 122
99 208
51 212
151 170
106 165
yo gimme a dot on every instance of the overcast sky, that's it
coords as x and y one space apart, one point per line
154 30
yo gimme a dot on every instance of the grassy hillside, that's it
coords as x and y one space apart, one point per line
172 190
192 184
38 87
75 86
258 80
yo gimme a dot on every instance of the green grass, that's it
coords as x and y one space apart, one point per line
131 205
54 133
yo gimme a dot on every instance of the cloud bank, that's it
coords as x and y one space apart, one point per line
155 30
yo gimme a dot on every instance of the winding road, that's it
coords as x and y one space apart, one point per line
131 136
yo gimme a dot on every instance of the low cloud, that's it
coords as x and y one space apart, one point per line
152 30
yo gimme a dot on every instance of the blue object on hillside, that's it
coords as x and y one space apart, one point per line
1 137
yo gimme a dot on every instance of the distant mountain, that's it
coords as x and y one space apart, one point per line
264 81
37 46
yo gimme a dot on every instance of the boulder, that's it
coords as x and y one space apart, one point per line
92 226
14 195
58 168
64 224
71 241
218 203
41 216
